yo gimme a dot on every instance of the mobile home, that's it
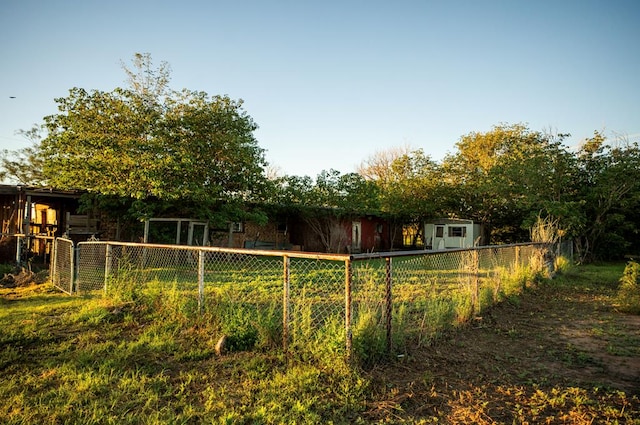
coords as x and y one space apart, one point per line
448 233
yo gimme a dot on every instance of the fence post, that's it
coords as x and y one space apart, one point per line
347 315
72 266
388 300
201 281
18 251
476 281
286 301
107 265
54 263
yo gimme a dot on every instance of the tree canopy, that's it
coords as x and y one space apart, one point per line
150 142
146 150
24 166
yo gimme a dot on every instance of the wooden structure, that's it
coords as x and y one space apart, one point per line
447 233
33 216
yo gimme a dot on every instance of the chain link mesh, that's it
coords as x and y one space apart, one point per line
316 303
326 303
62 268
91 266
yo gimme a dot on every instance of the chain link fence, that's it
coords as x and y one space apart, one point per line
62 265
367 304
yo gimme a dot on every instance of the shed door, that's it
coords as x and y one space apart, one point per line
438 240
356 236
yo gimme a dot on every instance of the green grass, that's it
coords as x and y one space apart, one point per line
101 360
430 294
149 357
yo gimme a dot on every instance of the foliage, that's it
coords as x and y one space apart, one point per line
24 166
610 195
629 291
411 184
147 150
149 143
323 204
506 176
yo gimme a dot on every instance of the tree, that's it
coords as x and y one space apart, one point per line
147 142
24 166
410 184
507 177
379 166
323 204
610 195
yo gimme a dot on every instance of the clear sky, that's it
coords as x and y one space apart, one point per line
332 82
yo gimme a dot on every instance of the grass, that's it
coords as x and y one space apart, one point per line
95 360
150 358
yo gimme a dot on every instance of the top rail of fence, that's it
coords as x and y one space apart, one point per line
310 255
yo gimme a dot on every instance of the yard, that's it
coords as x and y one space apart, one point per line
559 353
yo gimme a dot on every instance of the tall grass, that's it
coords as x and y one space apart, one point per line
151 359
94 359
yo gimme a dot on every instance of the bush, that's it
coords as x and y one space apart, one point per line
629 290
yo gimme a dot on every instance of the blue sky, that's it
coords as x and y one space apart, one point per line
332 82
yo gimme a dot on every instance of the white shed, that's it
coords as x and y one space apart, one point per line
447 233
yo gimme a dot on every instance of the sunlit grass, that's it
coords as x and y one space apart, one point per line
152 359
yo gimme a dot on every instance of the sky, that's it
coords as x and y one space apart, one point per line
330 83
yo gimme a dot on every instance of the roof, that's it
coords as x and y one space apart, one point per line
7 189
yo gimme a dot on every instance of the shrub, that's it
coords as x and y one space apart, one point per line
629 291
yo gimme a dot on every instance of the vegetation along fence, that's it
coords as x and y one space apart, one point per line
311 304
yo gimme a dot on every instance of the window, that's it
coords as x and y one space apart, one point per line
237 227
439 231
457 232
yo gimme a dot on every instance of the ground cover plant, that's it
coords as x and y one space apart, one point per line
558 353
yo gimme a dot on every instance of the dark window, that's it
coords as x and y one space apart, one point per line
457 232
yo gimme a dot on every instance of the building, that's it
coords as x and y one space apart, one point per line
448 233
33 216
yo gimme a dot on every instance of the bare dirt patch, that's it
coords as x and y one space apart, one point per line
23 277
556 354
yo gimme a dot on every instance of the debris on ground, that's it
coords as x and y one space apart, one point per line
23 277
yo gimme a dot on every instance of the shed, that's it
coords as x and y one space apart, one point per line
448 233
33 216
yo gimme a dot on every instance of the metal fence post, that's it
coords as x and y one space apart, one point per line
476 281
107 265
286 301
72 266
389 300
18 251
54 263
347 315
201 281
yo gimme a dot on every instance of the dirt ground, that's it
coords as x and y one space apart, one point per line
23 277
552 355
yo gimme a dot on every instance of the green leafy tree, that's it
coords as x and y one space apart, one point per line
610 195
410 185
24 166
146 142
324 203
507 177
